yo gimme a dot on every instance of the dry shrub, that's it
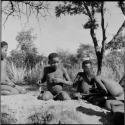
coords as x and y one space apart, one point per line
7 119
34 74
15 74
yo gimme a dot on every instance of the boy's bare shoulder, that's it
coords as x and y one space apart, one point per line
63 68
80 73
47 69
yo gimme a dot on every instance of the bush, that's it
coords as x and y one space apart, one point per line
114 62
16 74
34 74
18 58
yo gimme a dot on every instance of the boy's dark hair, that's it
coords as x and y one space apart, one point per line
3 43
86 62
52 55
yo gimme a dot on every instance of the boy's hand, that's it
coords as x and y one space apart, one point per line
38 82
62 81
58 80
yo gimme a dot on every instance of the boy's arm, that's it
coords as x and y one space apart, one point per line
10 81
67 80
99 83
76 80
43 76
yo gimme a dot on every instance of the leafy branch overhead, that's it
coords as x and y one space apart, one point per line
121 4
91 10
118 40
24 8
78 7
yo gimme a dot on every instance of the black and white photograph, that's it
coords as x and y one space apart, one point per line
62 62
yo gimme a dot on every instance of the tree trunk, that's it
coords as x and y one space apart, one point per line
98 53
99 59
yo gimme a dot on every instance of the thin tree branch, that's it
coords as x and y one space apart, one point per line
88 11
91 29
39 8
10 13
103 29
122 6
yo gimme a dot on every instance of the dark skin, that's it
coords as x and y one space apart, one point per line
87 86
84 80
55 74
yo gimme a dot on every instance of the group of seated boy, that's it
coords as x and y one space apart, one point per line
95 89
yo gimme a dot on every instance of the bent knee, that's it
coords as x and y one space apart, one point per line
57 89
47 95
65 95
9 92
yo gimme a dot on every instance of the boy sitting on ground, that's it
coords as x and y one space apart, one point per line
85 85
56 76
83 80
7 86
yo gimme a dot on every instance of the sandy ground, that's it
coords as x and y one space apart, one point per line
27 109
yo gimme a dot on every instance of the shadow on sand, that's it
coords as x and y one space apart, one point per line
104 118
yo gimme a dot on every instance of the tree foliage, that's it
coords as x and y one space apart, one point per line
25 8
26 53
121 4
115 61
85 50
118 41
17 57
67 58
90 9
26 40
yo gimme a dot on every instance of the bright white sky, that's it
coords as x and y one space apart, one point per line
60 33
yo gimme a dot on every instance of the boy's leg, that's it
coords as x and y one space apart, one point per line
46 95
20 89
97 100
63 96
77 95
113 88
56 89
8 90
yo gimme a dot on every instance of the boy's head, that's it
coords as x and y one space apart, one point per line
87 66
53 60
4 47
